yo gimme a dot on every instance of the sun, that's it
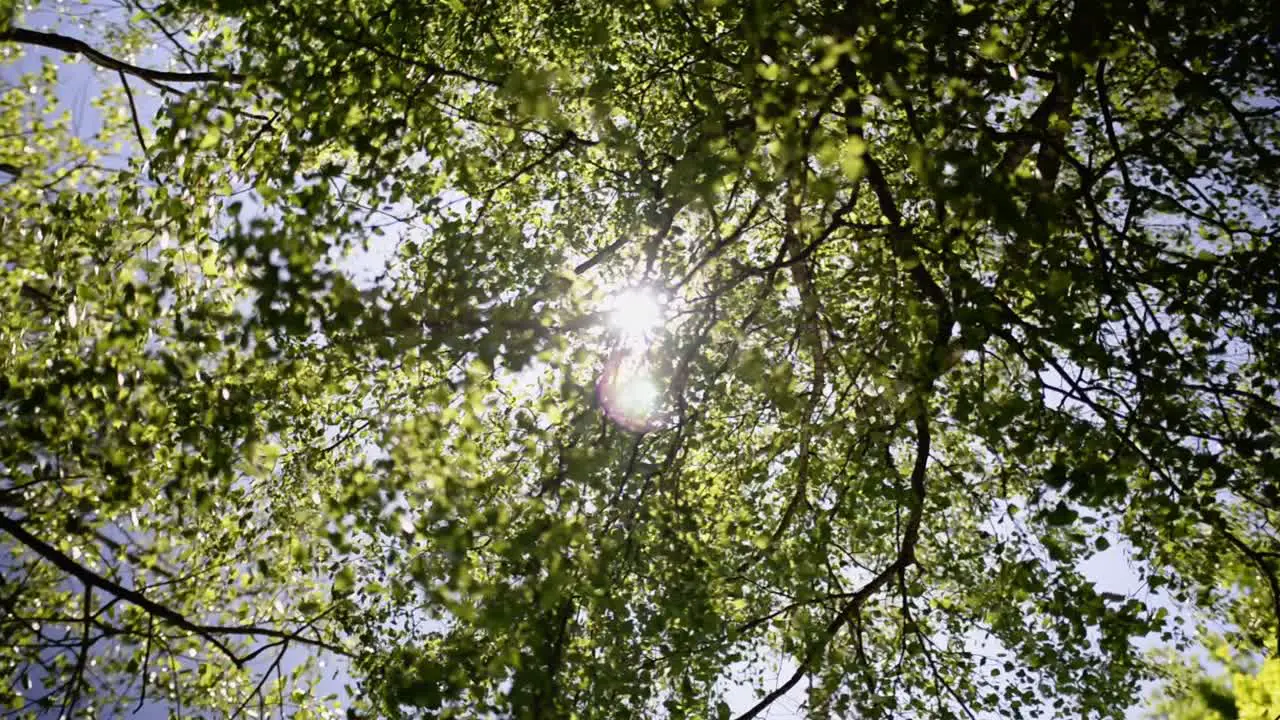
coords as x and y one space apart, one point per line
635 313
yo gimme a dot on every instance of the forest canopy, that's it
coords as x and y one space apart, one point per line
674 359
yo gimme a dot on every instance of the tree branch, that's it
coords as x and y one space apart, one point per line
80 47
929 288
92 579
82 657
133 113
906 557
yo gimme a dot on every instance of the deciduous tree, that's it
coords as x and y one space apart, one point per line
956 296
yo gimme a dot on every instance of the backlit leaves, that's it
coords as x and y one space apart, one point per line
961 297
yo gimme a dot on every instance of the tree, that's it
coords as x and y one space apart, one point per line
148 509
1248 690
956 297
1240 680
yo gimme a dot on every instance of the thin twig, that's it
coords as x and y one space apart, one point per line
133 113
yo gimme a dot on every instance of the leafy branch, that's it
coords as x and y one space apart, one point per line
76 46
210 633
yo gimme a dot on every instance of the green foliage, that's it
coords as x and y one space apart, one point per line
959 296
1245 689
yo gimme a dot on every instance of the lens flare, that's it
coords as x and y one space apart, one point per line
628 392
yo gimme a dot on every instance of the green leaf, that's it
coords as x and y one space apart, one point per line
344 581
1061 515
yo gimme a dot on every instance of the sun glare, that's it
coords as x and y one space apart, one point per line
627 389
638 396
628 392
634 313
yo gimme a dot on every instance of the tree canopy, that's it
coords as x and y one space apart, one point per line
317 363
1244 689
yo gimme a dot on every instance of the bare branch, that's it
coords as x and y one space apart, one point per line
133 113
97 57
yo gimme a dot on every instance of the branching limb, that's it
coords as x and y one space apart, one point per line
906 557
82 658
76 46
257 690
209 632
146 662
133 113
